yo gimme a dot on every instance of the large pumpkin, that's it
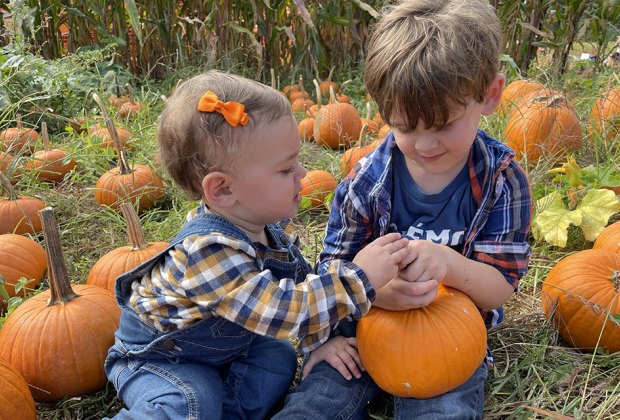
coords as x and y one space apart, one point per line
141 185
605 116
20 257
543 124
15 139
609 239
336 125
18 214
316 185
50 165
581 295
58 340
123 259
423 352
16 401
514 91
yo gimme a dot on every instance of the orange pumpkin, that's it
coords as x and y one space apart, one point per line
5 161
605 116
543 124
16 401
120 260
51 165
317 185
306 129
337 124
351 156
138 184
383 132
579 294
18 214
300 103
58 340
21 257
609 239
130 109
514 91
423 352
17 138
106 139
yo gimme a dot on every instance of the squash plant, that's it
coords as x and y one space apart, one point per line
575 204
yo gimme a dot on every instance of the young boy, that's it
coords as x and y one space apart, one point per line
455 192
203 325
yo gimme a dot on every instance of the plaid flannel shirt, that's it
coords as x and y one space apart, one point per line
216 275
497 235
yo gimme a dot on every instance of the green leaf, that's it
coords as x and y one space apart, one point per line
554 218
132 11
597 206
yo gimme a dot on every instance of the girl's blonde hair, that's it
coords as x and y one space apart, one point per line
193 143
426 57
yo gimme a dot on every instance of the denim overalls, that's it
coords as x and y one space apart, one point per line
213 368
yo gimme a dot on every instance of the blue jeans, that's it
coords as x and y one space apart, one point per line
326 394
213 369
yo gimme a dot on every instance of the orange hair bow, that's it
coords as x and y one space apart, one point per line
231 111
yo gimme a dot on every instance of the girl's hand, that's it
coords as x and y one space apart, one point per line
341 353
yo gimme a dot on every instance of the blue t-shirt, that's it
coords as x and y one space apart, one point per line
441 218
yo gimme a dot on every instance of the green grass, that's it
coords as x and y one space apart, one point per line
533 366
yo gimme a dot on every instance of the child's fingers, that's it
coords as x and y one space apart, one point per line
350 365
387 239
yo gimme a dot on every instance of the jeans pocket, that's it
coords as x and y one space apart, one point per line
223 328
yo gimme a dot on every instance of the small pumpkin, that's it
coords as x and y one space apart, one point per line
120 260
58 340
605 116
423 352
130 108
138 184
580 294
20 257
317 185
17 138
107 141
337 124
50 165
305 127
609 239
18 213
16 402
543 124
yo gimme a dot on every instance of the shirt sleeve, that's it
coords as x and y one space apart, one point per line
503 241
349 227
223 276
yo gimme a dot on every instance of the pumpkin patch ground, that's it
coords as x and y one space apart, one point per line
543 366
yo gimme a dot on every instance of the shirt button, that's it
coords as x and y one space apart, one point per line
167 345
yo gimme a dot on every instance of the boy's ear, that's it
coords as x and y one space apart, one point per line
494 94
216 189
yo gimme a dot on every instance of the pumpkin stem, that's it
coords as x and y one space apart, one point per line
361 141
122 160
18 121
60 286
332 96
45 137
137 239
331 72
272 72
6 184
319 97
368 111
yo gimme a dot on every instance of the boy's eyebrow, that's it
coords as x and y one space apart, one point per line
290 157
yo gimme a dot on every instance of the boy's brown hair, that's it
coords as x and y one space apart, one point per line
427 56
193 143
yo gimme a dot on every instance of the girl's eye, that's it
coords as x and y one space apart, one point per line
288 171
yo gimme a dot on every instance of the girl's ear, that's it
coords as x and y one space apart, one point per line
216 189
494 94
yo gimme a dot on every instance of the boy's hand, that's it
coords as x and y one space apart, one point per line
402 295
341 353
430 262
383 258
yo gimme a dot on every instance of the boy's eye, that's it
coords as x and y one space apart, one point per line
288 171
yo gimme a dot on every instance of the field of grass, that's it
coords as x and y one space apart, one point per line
536 374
